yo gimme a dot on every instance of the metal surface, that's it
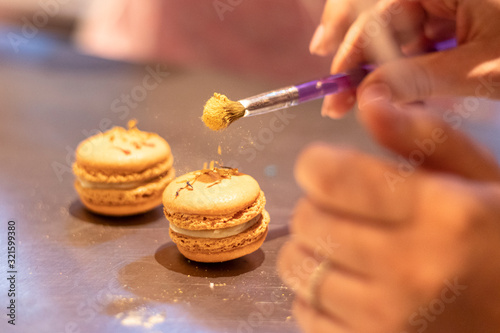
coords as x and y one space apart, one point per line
80 272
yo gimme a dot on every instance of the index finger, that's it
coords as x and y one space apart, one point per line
378 35
375 37
337 17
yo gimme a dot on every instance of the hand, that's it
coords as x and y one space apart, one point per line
395 33
411 245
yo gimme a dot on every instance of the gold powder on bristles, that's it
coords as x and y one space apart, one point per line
220 112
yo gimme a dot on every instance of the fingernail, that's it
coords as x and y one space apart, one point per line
375 93
317 40
383 114
336 107
327 111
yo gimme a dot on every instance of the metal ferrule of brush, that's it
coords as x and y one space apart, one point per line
270 101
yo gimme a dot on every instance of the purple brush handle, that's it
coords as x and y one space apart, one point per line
293 95
331 84
341 82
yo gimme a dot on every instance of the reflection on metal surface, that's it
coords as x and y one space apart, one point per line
140 317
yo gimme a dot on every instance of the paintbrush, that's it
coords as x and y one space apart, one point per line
220 111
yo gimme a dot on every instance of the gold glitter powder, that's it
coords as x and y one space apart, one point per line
219 112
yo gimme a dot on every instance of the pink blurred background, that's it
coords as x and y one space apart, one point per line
258 37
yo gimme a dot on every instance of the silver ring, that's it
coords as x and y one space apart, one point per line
314 283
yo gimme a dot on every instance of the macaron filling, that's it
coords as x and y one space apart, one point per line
217 233
118 186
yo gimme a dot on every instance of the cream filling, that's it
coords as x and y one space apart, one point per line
110 186
217 233
116 186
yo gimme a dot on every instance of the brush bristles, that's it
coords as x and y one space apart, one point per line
220 112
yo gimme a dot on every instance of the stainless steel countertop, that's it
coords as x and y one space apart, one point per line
80 272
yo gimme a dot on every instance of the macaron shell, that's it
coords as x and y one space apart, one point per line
125 202
99 176
222 249
123 210
204 222
209 194
122 151
223 256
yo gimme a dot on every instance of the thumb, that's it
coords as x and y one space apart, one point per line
467 70
425 140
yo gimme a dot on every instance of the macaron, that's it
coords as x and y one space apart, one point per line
216 214
123 171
